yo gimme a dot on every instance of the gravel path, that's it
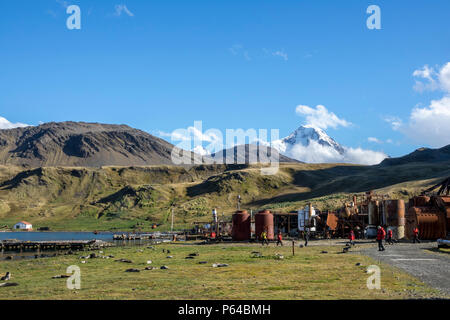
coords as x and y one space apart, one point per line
431 268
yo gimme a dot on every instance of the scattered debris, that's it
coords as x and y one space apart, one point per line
132 270
203 262
149 268
193 255
324 251
169 257
189 257
62 276
219 265
8 284
358 264
149 261
279 256
164 267
6 277
124 260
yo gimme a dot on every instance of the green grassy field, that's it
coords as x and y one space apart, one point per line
309 274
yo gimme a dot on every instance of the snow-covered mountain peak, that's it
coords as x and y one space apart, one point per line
305 134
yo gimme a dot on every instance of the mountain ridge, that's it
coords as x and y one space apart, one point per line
81 144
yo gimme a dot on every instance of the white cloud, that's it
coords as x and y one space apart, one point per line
200 150
121 8
320 117
363 156
429 75
317 153
5 124
239 50
281 53
235 49
373 139
395 122
64 4
192 138
429 125
444 77
435 80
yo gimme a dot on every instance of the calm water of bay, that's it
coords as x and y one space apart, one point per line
55 236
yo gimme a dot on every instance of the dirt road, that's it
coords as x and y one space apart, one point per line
431 267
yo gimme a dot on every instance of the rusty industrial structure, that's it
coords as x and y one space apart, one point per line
264 222
241 226
429 212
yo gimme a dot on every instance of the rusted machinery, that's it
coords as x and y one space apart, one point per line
241 226
444 188
430 220
430 213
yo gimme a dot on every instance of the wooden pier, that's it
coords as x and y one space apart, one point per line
21 246
147 236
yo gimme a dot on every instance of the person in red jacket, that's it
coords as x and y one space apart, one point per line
381 234
416 235
351 237
389 237
279 239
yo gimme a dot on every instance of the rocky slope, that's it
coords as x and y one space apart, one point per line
81 144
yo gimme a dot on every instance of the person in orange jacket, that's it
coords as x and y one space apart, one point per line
351 237
389 237
381 234
416 235
279 239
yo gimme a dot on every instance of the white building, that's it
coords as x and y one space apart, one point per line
23 225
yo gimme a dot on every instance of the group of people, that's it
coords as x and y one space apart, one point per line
265 241
381 235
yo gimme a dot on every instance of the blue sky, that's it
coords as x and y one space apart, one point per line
161 65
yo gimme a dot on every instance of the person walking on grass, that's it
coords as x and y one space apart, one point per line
416 235
306 235
279 239
264 238
381 234
389 237
351 237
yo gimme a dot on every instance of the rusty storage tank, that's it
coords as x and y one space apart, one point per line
446 200
264 222
430 221
373 213
241 226
395 217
